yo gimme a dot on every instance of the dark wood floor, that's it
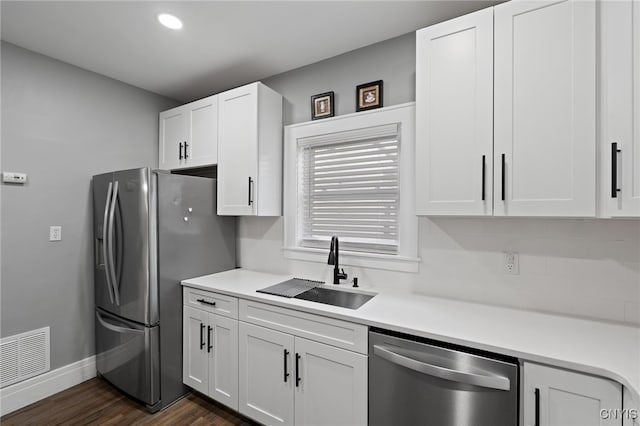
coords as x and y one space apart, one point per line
95 402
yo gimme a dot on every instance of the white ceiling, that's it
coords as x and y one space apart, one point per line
222 44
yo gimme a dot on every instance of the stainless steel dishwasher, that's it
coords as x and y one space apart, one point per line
414 381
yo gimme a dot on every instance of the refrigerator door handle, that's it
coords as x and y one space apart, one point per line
116 328
105 241
111 265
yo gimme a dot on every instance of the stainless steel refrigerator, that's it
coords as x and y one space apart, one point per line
151 230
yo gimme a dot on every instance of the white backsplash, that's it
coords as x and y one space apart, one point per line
579 267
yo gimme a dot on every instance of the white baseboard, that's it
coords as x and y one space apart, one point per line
32 390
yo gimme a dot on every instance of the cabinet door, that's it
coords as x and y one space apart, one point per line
174 132
266 375
332 389
620 29
202 148
545 91
195 363
238 151
454 107
568 398
630 417
223 360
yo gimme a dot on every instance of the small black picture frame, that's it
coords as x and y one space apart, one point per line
322 106
369 96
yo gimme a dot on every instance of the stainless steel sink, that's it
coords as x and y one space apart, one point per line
344 299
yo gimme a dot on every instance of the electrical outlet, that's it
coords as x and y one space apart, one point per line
511 264
55 233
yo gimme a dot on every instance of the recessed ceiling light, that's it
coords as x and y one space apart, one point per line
170 21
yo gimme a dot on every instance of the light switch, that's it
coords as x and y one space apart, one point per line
55 233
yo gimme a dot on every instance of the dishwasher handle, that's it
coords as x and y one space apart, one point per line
485 381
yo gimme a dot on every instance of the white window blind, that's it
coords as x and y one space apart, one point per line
350 188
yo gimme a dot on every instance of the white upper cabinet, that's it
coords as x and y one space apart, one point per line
506 113
203 124
556 397
240 131
189 135
545 109
454 116
620 108
250 152
174 133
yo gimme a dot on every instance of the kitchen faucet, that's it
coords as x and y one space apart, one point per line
333 260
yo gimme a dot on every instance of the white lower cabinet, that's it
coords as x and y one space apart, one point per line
630 409
286 380
265 379
195 370
557 397
332 387
210 352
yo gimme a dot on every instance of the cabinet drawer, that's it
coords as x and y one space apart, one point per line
334 332
211 302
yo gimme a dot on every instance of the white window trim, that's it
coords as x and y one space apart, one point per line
407 258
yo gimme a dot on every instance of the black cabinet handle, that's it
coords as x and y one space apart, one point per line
537 407
180 150
250 195
185 150
206 302
286 374
298 379
201 336
483 177
504 169
209 345
614 170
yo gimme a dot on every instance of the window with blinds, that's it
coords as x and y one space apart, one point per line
349 188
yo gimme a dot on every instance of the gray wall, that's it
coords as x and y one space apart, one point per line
61 125
393 61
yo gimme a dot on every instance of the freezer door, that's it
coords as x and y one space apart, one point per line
127 355
192 241
128 249
102 195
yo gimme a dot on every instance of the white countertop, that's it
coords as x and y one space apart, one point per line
598 348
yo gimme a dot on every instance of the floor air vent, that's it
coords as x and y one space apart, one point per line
24 355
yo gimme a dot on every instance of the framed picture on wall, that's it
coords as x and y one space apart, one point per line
322 106
369 96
